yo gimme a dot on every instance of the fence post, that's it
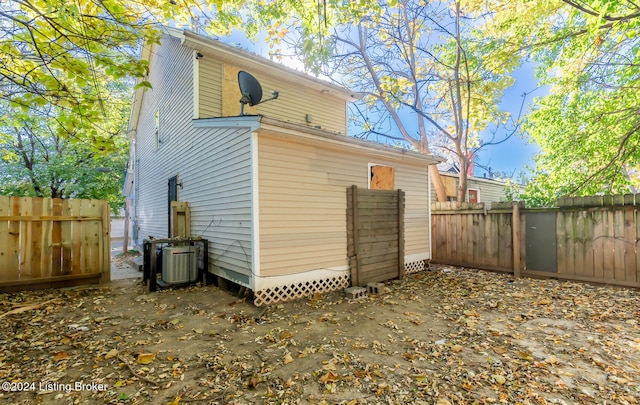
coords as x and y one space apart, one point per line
515 226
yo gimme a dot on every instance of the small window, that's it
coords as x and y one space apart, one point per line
381 177
473 195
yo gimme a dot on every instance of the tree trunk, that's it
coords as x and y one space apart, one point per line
461 194
438 185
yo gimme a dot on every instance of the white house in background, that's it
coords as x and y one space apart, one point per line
267 189
479 189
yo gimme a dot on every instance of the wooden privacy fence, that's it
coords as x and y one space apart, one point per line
53 242
592 239
375 234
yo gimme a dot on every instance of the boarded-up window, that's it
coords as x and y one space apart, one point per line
382 178
449 185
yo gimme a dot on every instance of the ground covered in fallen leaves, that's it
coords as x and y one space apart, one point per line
447 336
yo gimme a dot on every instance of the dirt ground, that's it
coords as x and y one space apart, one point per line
446 336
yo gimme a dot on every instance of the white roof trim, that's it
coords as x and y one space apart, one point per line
305 133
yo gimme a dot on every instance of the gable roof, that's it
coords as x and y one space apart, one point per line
239 57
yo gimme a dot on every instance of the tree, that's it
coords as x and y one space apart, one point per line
588 125
424 73
36 161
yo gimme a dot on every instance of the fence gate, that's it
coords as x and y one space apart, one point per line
541 242
375 234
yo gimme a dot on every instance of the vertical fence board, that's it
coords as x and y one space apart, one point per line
570 242
629 245
25 236
46 263
6 248
13 265
451 237
470 247
561 244
66 238
492 235
505 236
618 245
523 241
105 242
478 241
76 240
608 262
32 261
56 238
587 229
91 237
463 245
598 243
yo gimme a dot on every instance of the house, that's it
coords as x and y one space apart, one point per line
479 189
268 189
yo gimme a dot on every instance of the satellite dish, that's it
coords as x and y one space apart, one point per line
251 91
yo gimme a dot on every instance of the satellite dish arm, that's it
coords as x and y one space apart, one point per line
274 95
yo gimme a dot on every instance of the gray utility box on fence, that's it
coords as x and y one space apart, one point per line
179 264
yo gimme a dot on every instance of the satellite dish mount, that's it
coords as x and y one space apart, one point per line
251 91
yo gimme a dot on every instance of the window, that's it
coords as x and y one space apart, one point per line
472 195
381 177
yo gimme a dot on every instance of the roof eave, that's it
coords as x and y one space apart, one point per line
236 56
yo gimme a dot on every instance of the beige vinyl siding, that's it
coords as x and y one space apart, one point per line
413 180
293 103
303 204
210 91
212 164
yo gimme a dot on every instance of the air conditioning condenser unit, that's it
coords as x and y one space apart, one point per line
179 264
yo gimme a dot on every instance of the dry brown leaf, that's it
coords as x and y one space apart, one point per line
286 334
146 358
472 312
61 356
330 377
253 382
112 354
287 359
499 350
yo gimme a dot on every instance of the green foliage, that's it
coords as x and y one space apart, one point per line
36 161
588 126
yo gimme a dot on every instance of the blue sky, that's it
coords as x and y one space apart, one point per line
515 153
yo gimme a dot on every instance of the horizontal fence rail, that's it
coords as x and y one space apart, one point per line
51 240
592 239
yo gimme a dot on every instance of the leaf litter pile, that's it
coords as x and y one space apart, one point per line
446 336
